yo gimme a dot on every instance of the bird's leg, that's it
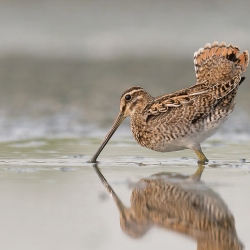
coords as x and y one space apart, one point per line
202 159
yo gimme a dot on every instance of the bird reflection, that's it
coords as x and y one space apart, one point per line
180 203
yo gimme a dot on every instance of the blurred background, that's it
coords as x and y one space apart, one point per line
64 64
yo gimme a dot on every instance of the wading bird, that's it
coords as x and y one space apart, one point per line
185 118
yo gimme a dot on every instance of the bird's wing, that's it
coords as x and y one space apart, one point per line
218 71
190 104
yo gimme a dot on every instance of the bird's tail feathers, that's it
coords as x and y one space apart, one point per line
218 62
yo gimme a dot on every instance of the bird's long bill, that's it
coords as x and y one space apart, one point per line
116 124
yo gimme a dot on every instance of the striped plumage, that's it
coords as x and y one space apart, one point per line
185 118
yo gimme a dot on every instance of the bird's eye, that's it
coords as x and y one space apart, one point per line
127 97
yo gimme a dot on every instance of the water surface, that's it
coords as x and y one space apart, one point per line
52 199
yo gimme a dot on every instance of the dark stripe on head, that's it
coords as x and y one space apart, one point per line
131 89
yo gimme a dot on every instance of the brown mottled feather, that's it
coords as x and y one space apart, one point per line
210 100
221 63
211 90
185 118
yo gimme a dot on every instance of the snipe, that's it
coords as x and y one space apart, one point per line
187 117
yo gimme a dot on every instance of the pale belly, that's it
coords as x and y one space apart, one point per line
190 141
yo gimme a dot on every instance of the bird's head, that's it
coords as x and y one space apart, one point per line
132 100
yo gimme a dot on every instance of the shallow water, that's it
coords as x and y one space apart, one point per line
52 199
63 67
